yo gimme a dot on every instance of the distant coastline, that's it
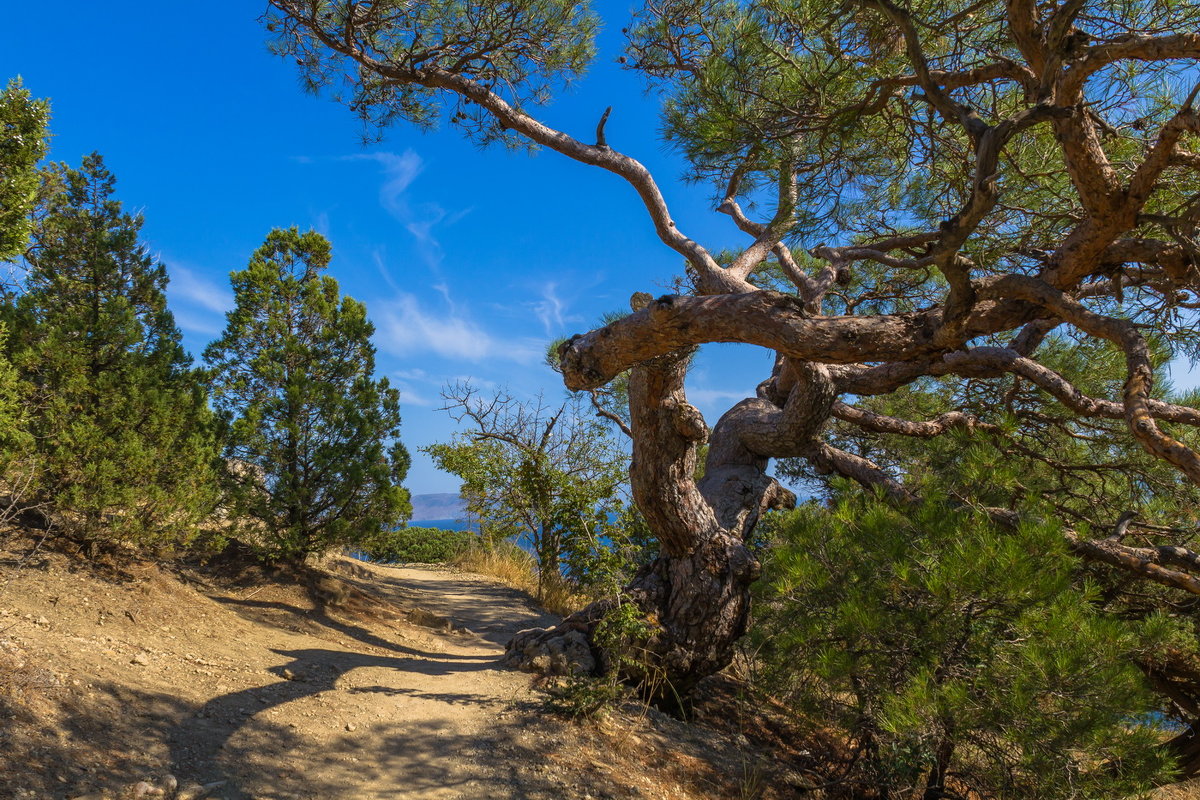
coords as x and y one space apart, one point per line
446 524
437 507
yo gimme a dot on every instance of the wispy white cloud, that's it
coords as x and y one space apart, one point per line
197 302
422 229
554 298
420 219
404 328
198 290
550 309
399 171
426 396
321 223
443 289
411 397
203 324
378 255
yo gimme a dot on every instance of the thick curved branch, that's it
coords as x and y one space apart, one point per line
1088 166
990 142
714 278
747 436
842 255
1141 561
772 320
1140 371
1032 335
811 289
1024 25
1185 158
992 362
1112 208
986 73
883 423
827 459
1144 562
1176 262
770 235
1134 48
950 110
608 415
1159 157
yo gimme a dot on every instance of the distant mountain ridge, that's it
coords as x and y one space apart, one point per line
438 506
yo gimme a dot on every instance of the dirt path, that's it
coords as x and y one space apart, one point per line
276 697
479 604
390 692
429 708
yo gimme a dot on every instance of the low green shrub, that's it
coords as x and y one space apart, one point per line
417 545
585 697
954 657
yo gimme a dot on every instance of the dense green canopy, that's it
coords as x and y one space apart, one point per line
122 433
311 446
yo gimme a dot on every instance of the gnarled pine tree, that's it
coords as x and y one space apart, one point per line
948 183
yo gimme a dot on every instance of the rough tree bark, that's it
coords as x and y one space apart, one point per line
695 595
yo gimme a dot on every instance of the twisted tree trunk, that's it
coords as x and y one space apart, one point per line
694 599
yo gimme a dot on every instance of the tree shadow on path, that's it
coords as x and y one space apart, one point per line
201 743
492 611
358 633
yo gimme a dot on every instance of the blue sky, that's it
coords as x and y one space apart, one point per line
469 261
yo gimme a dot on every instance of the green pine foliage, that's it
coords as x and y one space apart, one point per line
18 463
956 658
528 49
14 411
312 449
23 136
119 419
416 545
603 564
1029 454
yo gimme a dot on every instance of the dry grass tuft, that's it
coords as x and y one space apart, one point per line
514 567
504 561
1189 790
562 597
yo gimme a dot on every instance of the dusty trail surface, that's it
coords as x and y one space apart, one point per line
277 695
379 711
380 683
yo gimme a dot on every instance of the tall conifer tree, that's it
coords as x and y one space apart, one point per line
22 145
120 417
312 432
23 135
